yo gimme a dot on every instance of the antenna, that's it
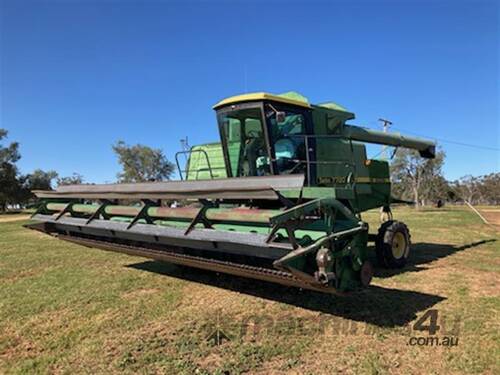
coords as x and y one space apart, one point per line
245 78
184 144
185 148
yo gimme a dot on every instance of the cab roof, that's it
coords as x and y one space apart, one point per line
290 97
287 98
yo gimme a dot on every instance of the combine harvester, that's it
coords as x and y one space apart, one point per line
278 199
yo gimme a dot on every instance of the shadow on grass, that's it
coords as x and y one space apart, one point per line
383 307
423 253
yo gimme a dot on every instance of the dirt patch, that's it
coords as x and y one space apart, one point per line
493 216
14 345
202 298
484 284
19 275
211 362
6 219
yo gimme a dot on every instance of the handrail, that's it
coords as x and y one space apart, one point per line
198 170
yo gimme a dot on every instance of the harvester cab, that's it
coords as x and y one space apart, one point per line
278 199
263 138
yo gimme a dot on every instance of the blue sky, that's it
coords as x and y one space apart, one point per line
76 76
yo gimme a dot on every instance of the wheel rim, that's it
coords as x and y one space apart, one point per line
399 245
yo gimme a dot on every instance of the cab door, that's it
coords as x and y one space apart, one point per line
291 141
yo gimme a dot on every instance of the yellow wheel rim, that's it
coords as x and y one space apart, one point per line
399 245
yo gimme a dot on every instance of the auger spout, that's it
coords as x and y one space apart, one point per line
426 148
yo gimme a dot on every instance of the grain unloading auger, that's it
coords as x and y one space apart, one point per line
278 199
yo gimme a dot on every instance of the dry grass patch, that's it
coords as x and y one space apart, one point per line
493 216
13 217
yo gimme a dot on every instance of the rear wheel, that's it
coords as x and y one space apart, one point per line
393 244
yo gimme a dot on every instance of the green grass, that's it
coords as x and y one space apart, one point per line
66 308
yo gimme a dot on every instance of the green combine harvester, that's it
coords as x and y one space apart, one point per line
278 199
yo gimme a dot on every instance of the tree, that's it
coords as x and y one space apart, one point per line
141 163
74 179
10 186
468 188
9 154
478 189
417 178
40 180
490 188
9 182
37 180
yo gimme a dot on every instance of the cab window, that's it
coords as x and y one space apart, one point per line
245 142
287 137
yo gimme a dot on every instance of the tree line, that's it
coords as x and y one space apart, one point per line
139 164
422 181
414 178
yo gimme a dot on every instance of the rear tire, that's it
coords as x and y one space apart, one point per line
393 244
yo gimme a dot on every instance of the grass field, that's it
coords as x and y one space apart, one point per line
71 309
